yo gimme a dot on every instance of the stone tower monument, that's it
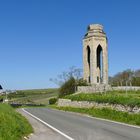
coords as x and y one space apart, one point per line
95 55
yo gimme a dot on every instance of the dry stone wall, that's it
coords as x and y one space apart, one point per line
126 88
102 88
86 104
94 88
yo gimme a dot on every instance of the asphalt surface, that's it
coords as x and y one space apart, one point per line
41 132
81 127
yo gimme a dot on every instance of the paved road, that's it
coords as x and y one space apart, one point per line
41 132
80 127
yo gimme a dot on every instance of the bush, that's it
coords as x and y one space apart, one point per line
68 87
1 99
82 82
52 101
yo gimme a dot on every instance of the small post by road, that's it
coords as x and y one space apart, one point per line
126 88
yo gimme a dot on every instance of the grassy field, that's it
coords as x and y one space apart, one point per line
37 96
131 98
13 126
106 113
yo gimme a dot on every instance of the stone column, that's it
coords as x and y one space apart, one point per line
93 71
85 64
105 65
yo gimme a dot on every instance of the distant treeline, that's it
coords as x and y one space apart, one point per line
126 78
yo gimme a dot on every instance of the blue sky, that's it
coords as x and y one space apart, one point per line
39 39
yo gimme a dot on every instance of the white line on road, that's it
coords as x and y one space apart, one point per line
58 131
129 125
101 119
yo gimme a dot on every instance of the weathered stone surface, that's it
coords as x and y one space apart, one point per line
129 88
86 104
95 42
94 88
103 88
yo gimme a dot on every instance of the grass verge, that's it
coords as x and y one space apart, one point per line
106 113
130 99
13 126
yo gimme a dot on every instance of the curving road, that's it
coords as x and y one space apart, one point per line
79 127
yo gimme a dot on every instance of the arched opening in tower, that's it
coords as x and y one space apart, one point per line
88 60
99 64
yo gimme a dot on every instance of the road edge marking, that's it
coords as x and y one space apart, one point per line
50 126
102 119
121 123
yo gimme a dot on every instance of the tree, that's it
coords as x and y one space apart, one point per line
126 77
137 73
68 87
69 80
74 72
